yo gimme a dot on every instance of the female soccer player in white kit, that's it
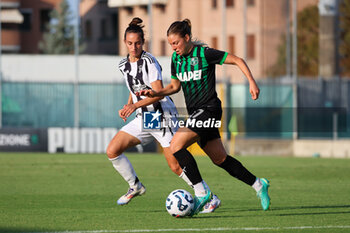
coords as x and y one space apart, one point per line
142 71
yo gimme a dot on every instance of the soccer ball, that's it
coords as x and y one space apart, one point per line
179 203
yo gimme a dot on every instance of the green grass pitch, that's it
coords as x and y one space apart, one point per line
78 193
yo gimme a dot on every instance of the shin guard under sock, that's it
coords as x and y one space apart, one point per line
237 170
188 165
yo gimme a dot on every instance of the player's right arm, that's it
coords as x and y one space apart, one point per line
242 65
130 108
170 89
173 87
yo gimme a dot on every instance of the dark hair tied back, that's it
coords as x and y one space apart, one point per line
135 26
136 22
180 27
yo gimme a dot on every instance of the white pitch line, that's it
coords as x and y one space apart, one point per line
205 229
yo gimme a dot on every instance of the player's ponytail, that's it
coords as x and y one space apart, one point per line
136 22
135 26
188 22
180 27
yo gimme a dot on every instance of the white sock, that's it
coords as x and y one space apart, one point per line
185 178
199 189
257 185
122 165
206 185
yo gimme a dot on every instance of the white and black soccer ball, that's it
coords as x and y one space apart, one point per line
179 203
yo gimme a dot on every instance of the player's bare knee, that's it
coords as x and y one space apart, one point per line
110 154
174 148
113 153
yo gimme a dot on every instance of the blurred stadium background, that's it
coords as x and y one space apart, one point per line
60 92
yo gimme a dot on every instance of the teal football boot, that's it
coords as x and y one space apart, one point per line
263 194
199 203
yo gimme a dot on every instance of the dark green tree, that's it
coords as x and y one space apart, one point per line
344 47
279 68
307 36
58 37
308 41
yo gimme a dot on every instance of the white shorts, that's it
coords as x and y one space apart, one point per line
135 128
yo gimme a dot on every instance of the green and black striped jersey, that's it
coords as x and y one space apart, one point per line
196 72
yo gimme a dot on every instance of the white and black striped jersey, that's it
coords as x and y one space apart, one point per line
139 76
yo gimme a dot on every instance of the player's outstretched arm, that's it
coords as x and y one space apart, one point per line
170 89
242 65
131 107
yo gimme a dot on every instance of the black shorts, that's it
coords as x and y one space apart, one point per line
206 123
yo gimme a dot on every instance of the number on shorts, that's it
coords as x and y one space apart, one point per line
197 113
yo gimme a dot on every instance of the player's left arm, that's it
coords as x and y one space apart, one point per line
122 112
242 65
130 99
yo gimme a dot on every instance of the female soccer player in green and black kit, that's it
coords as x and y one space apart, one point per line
142 71
193 69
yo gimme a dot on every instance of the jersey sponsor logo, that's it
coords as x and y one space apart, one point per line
189 75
